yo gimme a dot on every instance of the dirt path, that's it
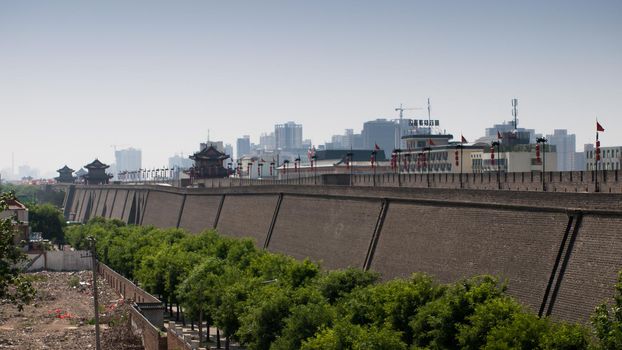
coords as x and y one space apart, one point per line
61 316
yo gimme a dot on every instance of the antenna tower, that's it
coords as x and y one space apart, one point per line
515 112
429 117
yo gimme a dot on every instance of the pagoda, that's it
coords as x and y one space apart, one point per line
65 175
97 173
208 163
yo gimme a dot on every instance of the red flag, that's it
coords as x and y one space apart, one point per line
376 147
463 139
599 127
432 142
499 135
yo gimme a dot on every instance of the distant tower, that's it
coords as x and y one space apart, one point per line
65 175
97 173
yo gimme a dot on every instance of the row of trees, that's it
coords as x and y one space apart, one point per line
271 301
35 194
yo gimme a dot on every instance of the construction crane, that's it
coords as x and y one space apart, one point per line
401 109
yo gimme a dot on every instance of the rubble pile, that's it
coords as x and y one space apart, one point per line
62 317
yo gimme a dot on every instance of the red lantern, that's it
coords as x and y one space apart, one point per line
456 157
538 153
597 150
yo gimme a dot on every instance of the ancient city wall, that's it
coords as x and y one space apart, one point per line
558 250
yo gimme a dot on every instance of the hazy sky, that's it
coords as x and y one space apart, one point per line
79 76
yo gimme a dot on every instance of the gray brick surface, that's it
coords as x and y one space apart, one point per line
336 232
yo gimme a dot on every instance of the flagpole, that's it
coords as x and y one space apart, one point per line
596 156
429 160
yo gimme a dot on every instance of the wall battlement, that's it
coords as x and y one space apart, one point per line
606 181
558 250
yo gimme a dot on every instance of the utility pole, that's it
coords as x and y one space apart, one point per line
95 296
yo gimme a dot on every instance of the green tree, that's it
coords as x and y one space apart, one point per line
233 291
13 286
265 316
607 320
346 335
563 336
304 321
48 220
488 315
437 323
335 284
393 304
198 291
523 331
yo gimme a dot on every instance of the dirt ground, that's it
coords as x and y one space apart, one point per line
61 316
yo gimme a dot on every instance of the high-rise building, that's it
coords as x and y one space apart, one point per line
566 148
379 132
243 146
267 141
129 159
180 162
229 152
288 136
25 171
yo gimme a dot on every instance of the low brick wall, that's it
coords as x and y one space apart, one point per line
175 341
124 286
153 338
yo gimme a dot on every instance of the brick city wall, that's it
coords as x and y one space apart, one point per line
558 250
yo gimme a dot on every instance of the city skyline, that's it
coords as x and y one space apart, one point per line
74 85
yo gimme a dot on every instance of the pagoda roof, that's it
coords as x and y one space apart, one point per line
96 164
81 172
65 169
209 153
